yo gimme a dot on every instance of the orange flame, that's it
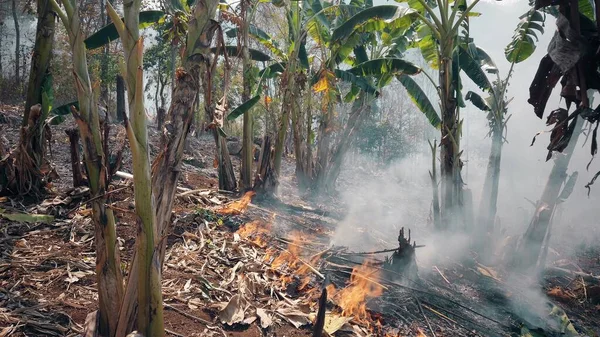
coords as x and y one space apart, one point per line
238 206
291 259
353 299
255 231
420 333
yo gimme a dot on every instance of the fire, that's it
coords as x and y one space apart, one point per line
255 231
353 298
238 206
420 333
291 259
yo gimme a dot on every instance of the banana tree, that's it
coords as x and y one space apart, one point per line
572 57
496 105
194 74
370 39
437 36
287 66
25 170
150 318
108 270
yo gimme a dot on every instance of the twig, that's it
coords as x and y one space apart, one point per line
425 316
183 194
584 288
441 315
377 252
190 316
170 332
97 197
442 275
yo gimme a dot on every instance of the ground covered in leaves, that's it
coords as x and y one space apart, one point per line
239 265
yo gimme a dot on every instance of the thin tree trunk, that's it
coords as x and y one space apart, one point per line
323 151
150 312
334 166
302 171
121 115
286 108
17 43
247 141
530 248
73 135
449 148
489 197
42 55
108 266
434 186
104 65
156 91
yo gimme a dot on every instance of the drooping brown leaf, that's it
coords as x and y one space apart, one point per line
562 132
566 47
545 80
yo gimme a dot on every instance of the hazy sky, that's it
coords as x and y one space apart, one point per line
524 169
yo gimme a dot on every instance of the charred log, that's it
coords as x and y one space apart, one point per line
26 170
78 178
403 259
265 179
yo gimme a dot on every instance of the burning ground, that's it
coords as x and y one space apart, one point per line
238 265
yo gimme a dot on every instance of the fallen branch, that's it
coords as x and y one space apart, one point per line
574 274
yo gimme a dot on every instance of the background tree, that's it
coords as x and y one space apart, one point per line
108 270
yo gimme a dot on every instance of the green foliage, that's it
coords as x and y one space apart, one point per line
233 51
524 40
357 81
243 108
472 69
262 37
379 13
273 70
109 32
26 217
418 96
428 48
383 66
477 101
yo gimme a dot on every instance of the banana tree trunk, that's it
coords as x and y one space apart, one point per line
489 198
108 266
286 109
150 312
166 166
434 186
17 43
359 111
529 250
120 98
449 147
247 142
303 172
323 151
42 54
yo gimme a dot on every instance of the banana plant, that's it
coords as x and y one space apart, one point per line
437 36
370 39
193 76
150 318
108 277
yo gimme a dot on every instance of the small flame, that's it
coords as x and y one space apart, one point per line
237 207
255 231
291 260
353 299
420 333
